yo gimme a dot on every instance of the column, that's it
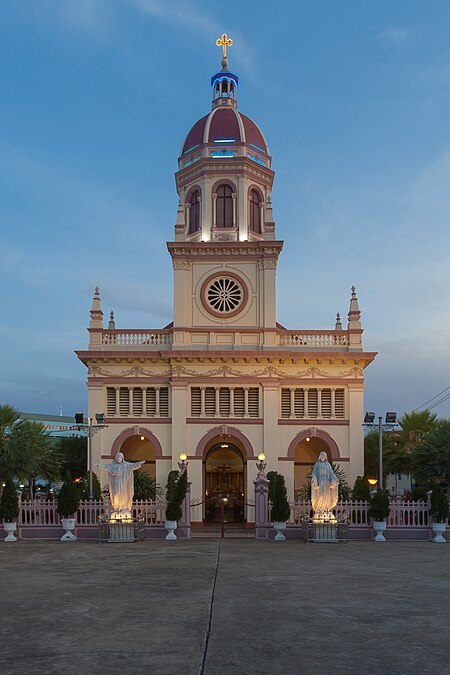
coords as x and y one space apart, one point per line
271 446
217 410
130 401
234 209
178 427
305 404
117 390
292 414
214 213
202 402
231 401
157 413
319 403
333 407
144 401
245 401
188 217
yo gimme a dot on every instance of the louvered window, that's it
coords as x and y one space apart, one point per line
196 401
299 403
110 401
326 403
164 402
224 402
253 402
312 403
239 402
124 401
150 407
210 401
137 402
285 403
339 403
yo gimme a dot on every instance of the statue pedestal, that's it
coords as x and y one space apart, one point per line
121 531
325 532
330 532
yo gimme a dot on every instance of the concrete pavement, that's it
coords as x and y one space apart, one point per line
278 607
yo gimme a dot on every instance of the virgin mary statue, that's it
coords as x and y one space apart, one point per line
324 487
121 484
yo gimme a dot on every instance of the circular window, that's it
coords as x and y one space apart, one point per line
224 295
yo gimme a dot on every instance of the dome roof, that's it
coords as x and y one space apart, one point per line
225 124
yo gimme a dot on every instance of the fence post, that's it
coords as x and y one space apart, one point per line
261 502
184 526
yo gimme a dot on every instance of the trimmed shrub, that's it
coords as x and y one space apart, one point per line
439 504
175 493
379 505
68 499
9 503
280 505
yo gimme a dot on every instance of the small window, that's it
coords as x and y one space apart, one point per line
194 212
255 212
224 206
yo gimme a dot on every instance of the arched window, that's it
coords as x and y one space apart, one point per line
255 212
224 206
194 212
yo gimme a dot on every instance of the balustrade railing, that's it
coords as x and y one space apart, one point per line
41 513
129 338
314 339
403 514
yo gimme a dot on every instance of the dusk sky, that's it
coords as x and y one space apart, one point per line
97 97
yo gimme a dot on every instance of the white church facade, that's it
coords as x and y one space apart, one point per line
224 381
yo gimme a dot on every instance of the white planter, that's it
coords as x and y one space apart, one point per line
10 528
279 526
438 531
68 525
170 526
379 526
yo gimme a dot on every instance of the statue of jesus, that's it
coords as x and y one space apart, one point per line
121 484
324 488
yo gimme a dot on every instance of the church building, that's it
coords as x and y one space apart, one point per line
225 381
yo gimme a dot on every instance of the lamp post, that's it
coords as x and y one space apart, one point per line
389 422
92 430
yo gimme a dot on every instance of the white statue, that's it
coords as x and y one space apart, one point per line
324 488
121 484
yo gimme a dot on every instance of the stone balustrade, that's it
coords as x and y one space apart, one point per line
314 339
134 338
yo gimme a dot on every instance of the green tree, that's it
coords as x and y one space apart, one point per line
73 452
280 506
9 503
42 459
361 490
413 427
13 457
68 499
175 494
83 487
145 487
431 458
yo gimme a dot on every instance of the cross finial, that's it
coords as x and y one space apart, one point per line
224 42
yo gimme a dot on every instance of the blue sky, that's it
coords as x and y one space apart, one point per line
96 99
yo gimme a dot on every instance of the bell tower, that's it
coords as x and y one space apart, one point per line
225 250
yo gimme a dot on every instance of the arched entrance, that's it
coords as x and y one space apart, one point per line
136 448
224 480
306 455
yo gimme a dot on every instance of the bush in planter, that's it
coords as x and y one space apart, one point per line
439 504
272 477
280 505
361 490
175 493
379 506
68 499
9 503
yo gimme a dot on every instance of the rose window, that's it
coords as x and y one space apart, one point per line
224 295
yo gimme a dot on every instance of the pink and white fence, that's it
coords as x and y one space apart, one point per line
39 519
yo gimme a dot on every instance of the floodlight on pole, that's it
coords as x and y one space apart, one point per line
390 421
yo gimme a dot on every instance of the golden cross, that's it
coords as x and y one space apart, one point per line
224 42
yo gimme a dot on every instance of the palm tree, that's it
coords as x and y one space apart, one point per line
42 460
13 456
413 427
73 452
371 452
431 457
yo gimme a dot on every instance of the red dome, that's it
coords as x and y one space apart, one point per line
225 124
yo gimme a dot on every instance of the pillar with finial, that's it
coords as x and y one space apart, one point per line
354 323
96 322
338 325
112 322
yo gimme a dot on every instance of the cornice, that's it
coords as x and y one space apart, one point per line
235 249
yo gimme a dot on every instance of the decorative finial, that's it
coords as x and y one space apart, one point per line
112 323
354 315
96 311
224 42
338 325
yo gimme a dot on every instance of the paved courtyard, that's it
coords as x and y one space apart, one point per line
240 606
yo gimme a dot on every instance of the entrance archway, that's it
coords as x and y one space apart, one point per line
136 448
224 480
306 455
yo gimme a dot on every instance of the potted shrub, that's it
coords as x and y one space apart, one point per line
379 511
439 513
9 509
68 501
280 506
175 493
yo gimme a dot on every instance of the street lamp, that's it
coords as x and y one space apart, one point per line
389 422
92 430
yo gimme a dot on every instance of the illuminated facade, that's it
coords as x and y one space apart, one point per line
224 381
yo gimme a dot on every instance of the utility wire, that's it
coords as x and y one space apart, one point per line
53 390
442 400
431 399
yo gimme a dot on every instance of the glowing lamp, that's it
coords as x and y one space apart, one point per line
308 439
261 457
183 457
372 481
142 438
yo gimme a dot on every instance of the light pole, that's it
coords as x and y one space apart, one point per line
92 430
389 422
